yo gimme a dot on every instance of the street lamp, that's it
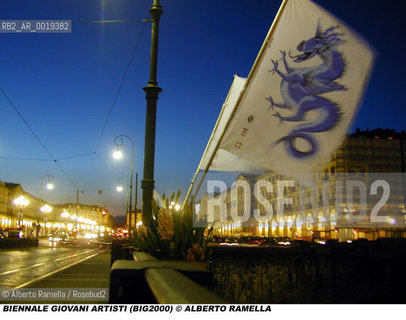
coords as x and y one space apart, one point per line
45 209
118 141
21 202
117 154
65 221
151 94
49 186
121 182
65 214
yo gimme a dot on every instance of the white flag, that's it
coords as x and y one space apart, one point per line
224 160
303 92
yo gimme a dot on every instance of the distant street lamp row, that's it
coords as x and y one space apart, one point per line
21 202
118 155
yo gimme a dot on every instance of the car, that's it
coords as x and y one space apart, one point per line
58 237
320 241
270 240
54 239
284 241
14 234
64 238
256 241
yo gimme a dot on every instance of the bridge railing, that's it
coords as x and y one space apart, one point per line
146 279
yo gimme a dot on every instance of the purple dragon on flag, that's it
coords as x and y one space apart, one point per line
301 89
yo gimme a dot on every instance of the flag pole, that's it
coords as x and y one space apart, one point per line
250 75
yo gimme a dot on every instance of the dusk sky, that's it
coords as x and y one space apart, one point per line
64 86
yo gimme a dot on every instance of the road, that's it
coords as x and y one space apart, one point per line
21 268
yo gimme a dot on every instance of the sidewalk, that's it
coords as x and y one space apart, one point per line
92 273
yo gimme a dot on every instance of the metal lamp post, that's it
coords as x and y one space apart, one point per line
152 91
21 202
49 185
45 209
65 215
118 141
121 182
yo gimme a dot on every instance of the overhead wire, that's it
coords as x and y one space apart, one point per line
120 87
76 156
26 123
24 159
52 158
56 160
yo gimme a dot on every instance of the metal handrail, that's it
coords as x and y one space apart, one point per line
169 286
149 280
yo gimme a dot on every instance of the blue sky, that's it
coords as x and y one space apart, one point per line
64 85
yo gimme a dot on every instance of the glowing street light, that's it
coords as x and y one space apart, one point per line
118 141
49 186
21 202
65 214
121 182
117 154
46 209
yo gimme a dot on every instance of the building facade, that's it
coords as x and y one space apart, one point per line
21 210
338 201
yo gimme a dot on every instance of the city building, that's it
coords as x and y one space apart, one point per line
81 219
21 210
336 202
